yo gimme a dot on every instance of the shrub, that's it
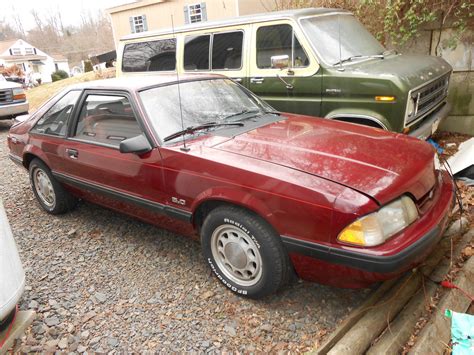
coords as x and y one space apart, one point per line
59 75
87 66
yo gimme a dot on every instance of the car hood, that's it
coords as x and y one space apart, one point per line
411 70
376 163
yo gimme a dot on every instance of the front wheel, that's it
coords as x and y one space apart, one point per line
244 252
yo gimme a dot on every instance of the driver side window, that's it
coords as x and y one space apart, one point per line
54 122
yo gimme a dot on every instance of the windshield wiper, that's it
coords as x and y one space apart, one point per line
243 112
192 129
381 56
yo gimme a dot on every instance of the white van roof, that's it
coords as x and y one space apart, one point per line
266 16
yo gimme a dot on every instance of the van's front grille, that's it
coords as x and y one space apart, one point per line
429 96
5 96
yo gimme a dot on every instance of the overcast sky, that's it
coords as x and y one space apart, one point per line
70 9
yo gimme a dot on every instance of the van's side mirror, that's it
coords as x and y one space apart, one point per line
137 145
280 61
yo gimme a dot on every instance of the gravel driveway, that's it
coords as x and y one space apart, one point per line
101 281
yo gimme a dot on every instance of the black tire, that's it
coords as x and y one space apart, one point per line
63 200
5 323
267 264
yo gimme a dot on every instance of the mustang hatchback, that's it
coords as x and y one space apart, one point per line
267 193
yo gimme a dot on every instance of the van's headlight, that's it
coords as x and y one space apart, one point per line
411 107
377 227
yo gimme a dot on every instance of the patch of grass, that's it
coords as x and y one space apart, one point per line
38 95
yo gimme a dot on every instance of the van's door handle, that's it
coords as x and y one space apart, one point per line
257 80
238 80
72 153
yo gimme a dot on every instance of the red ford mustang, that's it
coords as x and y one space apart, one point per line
267 193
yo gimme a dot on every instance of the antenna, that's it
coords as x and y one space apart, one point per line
339 40
184 148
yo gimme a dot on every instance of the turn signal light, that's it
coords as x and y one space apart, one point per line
385 98
19 97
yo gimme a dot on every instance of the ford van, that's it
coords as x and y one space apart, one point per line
317 62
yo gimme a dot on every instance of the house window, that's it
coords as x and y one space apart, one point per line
16 51
138 24
29 51
195 13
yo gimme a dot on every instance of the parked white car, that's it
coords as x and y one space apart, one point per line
12 99
12 276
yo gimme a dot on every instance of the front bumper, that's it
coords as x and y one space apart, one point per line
431 123
14 109
358 267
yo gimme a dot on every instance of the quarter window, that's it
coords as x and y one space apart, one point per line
54 122
106 120
150 56
196 52
279 40
227 50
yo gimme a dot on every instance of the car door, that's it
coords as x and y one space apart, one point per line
92 161
294 89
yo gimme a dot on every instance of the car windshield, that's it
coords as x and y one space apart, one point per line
203 102
355 41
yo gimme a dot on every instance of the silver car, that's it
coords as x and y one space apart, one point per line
12 276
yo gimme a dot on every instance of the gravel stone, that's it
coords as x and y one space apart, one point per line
101 268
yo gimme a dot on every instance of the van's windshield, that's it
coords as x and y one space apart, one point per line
355 41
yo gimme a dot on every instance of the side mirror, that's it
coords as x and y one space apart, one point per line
137 145
280 61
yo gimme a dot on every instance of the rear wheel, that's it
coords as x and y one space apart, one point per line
52 197
244 252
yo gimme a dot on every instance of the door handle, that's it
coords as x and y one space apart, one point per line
237 80
257 80
72 153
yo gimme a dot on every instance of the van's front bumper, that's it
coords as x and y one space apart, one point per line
430 124
14 109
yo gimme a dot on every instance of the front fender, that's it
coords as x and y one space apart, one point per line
235 196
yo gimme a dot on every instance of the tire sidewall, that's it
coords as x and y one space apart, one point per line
225 216
35 165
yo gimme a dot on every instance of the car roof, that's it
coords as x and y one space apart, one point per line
267 16
136 83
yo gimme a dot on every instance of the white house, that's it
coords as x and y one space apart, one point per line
31 59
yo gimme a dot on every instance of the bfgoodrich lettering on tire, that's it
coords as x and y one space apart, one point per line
244 252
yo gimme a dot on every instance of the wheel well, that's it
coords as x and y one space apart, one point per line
204 209
207 206
361 121
28 157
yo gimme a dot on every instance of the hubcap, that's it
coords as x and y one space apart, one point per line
236 255
44 187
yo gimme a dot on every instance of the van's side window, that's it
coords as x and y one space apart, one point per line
279 40
150 56
227 50
196 52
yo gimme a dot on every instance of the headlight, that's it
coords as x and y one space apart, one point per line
411 107
377 227
18 94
